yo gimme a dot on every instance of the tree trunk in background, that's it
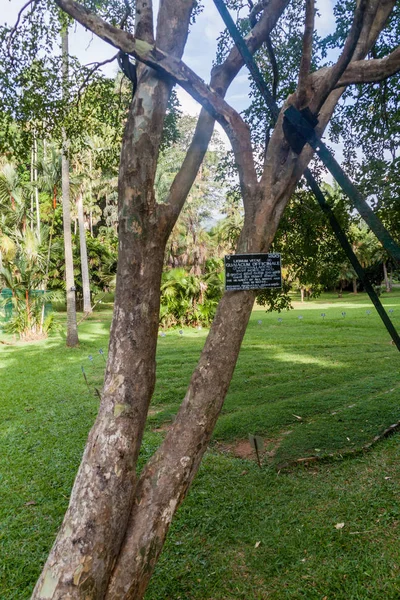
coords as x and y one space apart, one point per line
31 181
386 278
72 327
87 308
354 285
35 179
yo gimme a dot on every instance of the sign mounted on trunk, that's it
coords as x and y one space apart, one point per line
253 271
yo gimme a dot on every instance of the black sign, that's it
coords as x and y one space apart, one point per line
252 271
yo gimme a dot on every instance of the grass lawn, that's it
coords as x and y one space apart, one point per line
308 385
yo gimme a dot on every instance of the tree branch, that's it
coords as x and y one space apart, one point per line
14 29
234 126
96 66
360 70
144 29
371 71
306 56
221 78
334 74
126 15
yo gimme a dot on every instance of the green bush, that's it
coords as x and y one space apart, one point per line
188 299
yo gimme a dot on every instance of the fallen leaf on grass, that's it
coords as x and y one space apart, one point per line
339 525
30 503
257 544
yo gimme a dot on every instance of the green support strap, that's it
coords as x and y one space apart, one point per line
305 131
341 236
300 122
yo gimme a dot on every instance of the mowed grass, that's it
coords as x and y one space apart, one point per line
310 387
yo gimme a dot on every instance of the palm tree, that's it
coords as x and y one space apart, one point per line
49 179
12 197
22 272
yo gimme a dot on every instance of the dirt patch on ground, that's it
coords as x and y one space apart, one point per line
163 428
243 449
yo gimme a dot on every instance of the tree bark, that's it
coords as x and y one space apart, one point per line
354 281
87 307
166 478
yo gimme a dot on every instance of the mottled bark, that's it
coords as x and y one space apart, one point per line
87 307
166 478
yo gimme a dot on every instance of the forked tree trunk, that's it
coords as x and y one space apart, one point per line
165 480
87 307
94 525
115 527
80 563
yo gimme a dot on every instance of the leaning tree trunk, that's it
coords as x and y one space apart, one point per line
165 480
80 563
87 307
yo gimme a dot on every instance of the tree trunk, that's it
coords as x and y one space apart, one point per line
302 294
386 278
354 285
80 563
166 478
32 184
35 178
87 308
89 540
72 327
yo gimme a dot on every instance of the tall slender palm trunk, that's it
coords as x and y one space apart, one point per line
87 307
72 327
